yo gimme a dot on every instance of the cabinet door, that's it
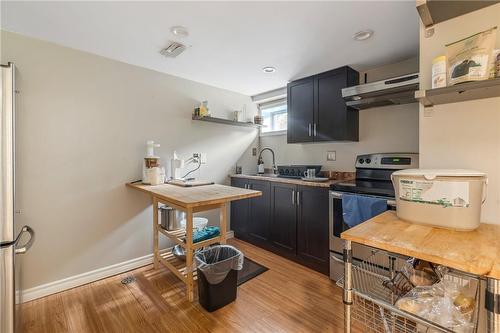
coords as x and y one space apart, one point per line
333 120
239 211
259 213
312 228
300 108
284 218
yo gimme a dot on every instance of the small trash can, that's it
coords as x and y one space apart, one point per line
217 269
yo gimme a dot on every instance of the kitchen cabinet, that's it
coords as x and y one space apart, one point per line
239 211
317 111
288 219
283 218
312 227
258 212
250 217
300 105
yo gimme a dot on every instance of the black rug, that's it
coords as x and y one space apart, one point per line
250 270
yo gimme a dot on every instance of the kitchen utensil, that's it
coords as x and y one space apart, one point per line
199 223
168 219
310 173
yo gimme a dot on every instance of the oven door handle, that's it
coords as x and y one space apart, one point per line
338 195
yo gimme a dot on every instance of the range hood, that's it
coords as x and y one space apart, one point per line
398 90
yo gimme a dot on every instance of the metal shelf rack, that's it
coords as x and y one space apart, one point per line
373 305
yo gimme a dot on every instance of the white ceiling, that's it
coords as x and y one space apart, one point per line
230 41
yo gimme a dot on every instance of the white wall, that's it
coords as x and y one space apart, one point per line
83 121
462 135
381 130
384 129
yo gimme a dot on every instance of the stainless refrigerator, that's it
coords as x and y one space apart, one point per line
11 235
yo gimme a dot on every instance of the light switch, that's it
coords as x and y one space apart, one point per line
331 155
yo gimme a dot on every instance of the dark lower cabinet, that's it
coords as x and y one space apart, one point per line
312 228
258 212
283 218
239 211
287 219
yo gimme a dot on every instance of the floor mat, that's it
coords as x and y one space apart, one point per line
250 270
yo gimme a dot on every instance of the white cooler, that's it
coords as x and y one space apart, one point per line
443 198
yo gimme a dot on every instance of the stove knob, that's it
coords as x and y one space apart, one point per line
292 172
287 171
361 161
368 161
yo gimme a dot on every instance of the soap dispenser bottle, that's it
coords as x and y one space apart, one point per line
260 165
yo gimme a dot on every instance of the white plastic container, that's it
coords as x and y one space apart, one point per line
443 198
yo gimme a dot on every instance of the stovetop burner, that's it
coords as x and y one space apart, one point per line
373 173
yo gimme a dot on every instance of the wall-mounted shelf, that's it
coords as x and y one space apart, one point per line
460 92
225 121
435 11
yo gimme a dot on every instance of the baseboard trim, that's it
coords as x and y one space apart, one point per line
88 277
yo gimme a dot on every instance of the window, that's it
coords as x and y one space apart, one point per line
274 116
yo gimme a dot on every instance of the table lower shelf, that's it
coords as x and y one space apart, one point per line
179 236
177 266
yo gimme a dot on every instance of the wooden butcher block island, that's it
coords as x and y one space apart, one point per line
471 253
190 200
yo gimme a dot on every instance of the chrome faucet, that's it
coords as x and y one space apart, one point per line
261 161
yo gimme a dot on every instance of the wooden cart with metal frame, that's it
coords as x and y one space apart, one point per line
470 256
189 200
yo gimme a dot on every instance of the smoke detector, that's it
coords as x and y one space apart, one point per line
173 49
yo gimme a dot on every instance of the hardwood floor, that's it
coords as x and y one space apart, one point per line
286 298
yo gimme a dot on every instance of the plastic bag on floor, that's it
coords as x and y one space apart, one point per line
216 261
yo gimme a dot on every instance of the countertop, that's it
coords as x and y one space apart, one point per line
476 252
196 196
342 177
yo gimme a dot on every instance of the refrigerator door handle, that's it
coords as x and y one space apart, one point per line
23 249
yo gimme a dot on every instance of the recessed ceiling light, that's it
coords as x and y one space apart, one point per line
269 69
179 30
362 35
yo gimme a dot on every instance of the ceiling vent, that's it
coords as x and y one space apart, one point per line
173 49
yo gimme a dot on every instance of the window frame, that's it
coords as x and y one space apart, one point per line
270 104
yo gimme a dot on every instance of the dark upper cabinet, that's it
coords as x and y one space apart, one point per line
283 217
317 111
312 227
300 105
259 212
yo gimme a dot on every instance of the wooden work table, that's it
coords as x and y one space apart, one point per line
190 200
476 252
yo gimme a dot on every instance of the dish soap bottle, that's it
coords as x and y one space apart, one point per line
260 165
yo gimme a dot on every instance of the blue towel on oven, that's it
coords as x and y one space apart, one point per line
357 209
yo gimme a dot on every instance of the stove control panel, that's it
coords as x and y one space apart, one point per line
396 161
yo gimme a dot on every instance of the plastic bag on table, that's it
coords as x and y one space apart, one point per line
423 273
446 303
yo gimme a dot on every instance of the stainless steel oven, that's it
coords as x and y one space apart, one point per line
337 226
373 178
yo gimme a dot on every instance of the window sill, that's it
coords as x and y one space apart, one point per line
274 133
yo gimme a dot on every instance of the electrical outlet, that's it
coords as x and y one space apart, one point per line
203 158
331 155
254 151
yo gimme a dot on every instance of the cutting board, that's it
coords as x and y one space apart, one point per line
190 183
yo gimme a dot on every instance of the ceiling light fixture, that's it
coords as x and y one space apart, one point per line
269 69
179 31
363 35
